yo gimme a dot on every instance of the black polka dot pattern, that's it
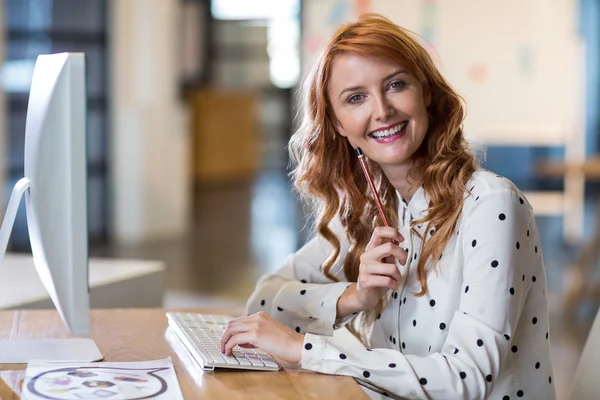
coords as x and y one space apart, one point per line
502 237
279 309
303 280
298 329
262 303
308 346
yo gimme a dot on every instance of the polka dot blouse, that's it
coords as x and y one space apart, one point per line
480 332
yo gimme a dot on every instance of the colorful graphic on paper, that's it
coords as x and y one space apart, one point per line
119 381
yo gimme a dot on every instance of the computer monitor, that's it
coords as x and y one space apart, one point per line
55 189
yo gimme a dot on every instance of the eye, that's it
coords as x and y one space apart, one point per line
356 98
397 85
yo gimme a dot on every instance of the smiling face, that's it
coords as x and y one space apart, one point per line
380 107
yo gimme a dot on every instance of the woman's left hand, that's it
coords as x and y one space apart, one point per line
262 331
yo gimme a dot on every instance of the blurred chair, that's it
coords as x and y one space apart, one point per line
586 384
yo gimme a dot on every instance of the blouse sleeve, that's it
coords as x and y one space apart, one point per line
298 294
478 339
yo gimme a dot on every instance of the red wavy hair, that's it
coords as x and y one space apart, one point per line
327 170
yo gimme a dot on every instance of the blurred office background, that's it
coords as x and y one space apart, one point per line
191 104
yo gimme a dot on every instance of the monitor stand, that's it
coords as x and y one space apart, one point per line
22 351
74 350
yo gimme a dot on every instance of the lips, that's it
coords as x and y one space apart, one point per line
386 133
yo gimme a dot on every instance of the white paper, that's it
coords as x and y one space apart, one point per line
108 380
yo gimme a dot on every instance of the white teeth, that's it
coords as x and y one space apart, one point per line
390 132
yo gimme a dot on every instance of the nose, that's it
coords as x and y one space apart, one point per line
384 109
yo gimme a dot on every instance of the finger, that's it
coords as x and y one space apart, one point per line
384 250
228 332
245 339
382 234
378 281
382 269
235 328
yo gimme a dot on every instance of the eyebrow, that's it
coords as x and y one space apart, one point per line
353 88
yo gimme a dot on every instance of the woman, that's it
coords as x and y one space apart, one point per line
451 304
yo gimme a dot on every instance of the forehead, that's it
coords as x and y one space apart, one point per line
351 69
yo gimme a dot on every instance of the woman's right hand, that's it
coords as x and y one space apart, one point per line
378 272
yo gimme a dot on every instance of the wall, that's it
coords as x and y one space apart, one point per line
514 61
149 136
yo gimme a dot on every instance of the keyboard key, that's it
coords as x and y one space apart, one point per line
270 363
254 359
243 361
230 360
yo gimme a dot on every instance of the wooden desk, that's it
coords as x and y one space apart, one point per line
141 334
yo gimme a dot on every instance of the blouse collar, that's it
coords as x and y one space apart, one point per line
418 205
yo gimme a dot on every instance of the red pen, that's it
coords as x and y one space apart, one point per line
373 190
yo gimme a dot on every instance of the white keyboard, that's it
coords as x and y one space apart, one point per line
201 336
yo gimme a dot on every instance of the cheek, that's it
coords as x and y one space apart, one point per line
353 122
